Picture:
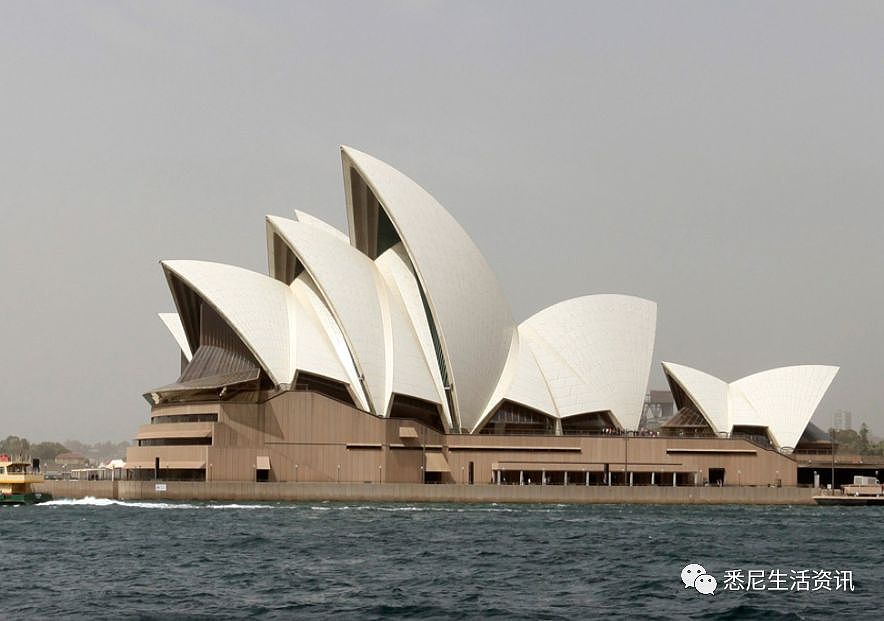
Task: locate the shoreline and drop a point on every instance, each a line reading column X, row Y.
column 415, row 492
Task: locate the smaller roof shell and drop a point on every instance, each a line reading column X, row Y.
column 372, row 318
column 595, row 354
column 257, row 308
column 173, row 323
column 783, row 399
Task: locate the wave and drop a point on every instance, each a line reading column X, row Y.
column 91, row 501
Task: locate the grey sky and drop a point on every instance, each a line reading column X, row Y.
column 723, row 159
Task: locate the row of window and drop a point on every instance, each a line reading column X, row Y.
column 184, row 418
column 176, row 442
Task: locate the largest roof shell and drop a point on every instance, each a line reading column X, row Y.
column 466, row 303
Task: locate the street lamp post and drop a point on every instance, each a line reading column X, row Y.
column 833, row 454
column 626, row 457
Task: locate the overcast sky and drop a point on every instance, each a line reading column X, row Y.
column 725, row 160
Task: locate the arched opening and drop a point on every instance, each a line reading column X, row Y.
column 517, row 419
column 374, row 232
column 420, row 410
column 286, row 266
column 591, row 423
column 333, row 389
column 222, row 367
column 687, row 422
column 753, row 433
column 814, row 441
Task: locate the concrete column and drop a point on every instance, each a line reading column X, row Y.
column 521, row 477
column 566, row 478
column 543, row 477
column 630, row 479
column 587, row 479
column 558, row 426
column 653, row 474
column 610, row 476
column 497, row 476
column 674, row 479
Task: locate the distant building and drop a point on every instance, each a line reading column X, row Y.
column 71, row 459
column 843, row 421
column 111, row 471
column 659, row 408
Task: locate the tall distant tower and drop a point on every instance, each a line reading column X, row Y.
column 843, row 420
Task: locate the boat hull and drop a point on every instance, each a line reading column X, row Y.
column 850, row 501
column 28, row 498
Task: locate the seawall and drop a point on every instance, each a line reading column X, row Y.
column 78, row 489
column 412, row 492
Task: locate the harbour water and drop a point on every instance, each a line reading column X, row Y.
column 110, row 559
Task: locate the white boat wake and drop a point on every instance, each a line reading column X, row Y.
column 91, row 501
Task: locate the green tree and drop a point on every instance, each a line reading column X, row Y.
column 850, row 442
column 864, row 439
column 846, row 441
column 15, row 446
column 47, row 451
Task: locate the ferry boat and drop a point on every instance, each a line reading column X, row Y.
column 16, row 479
column 864, row 492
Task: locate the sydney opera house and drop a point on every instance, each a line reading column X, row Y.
column 389, row 354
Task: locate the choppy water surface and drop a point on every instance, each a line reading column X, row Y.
column 108, row 559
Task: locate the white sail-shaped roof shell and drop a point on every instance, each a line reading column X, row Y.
column 319, row 345
column 173, row 323
column 521, row 382
column 277, row 249
column 409, row 373
column 467, row 304
column 256, row 307
column 282, row 334
column 708, row 393
column 402, row 286
column 376, row 328
column 595, row 354
column 306, row 218
column 783, row 400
